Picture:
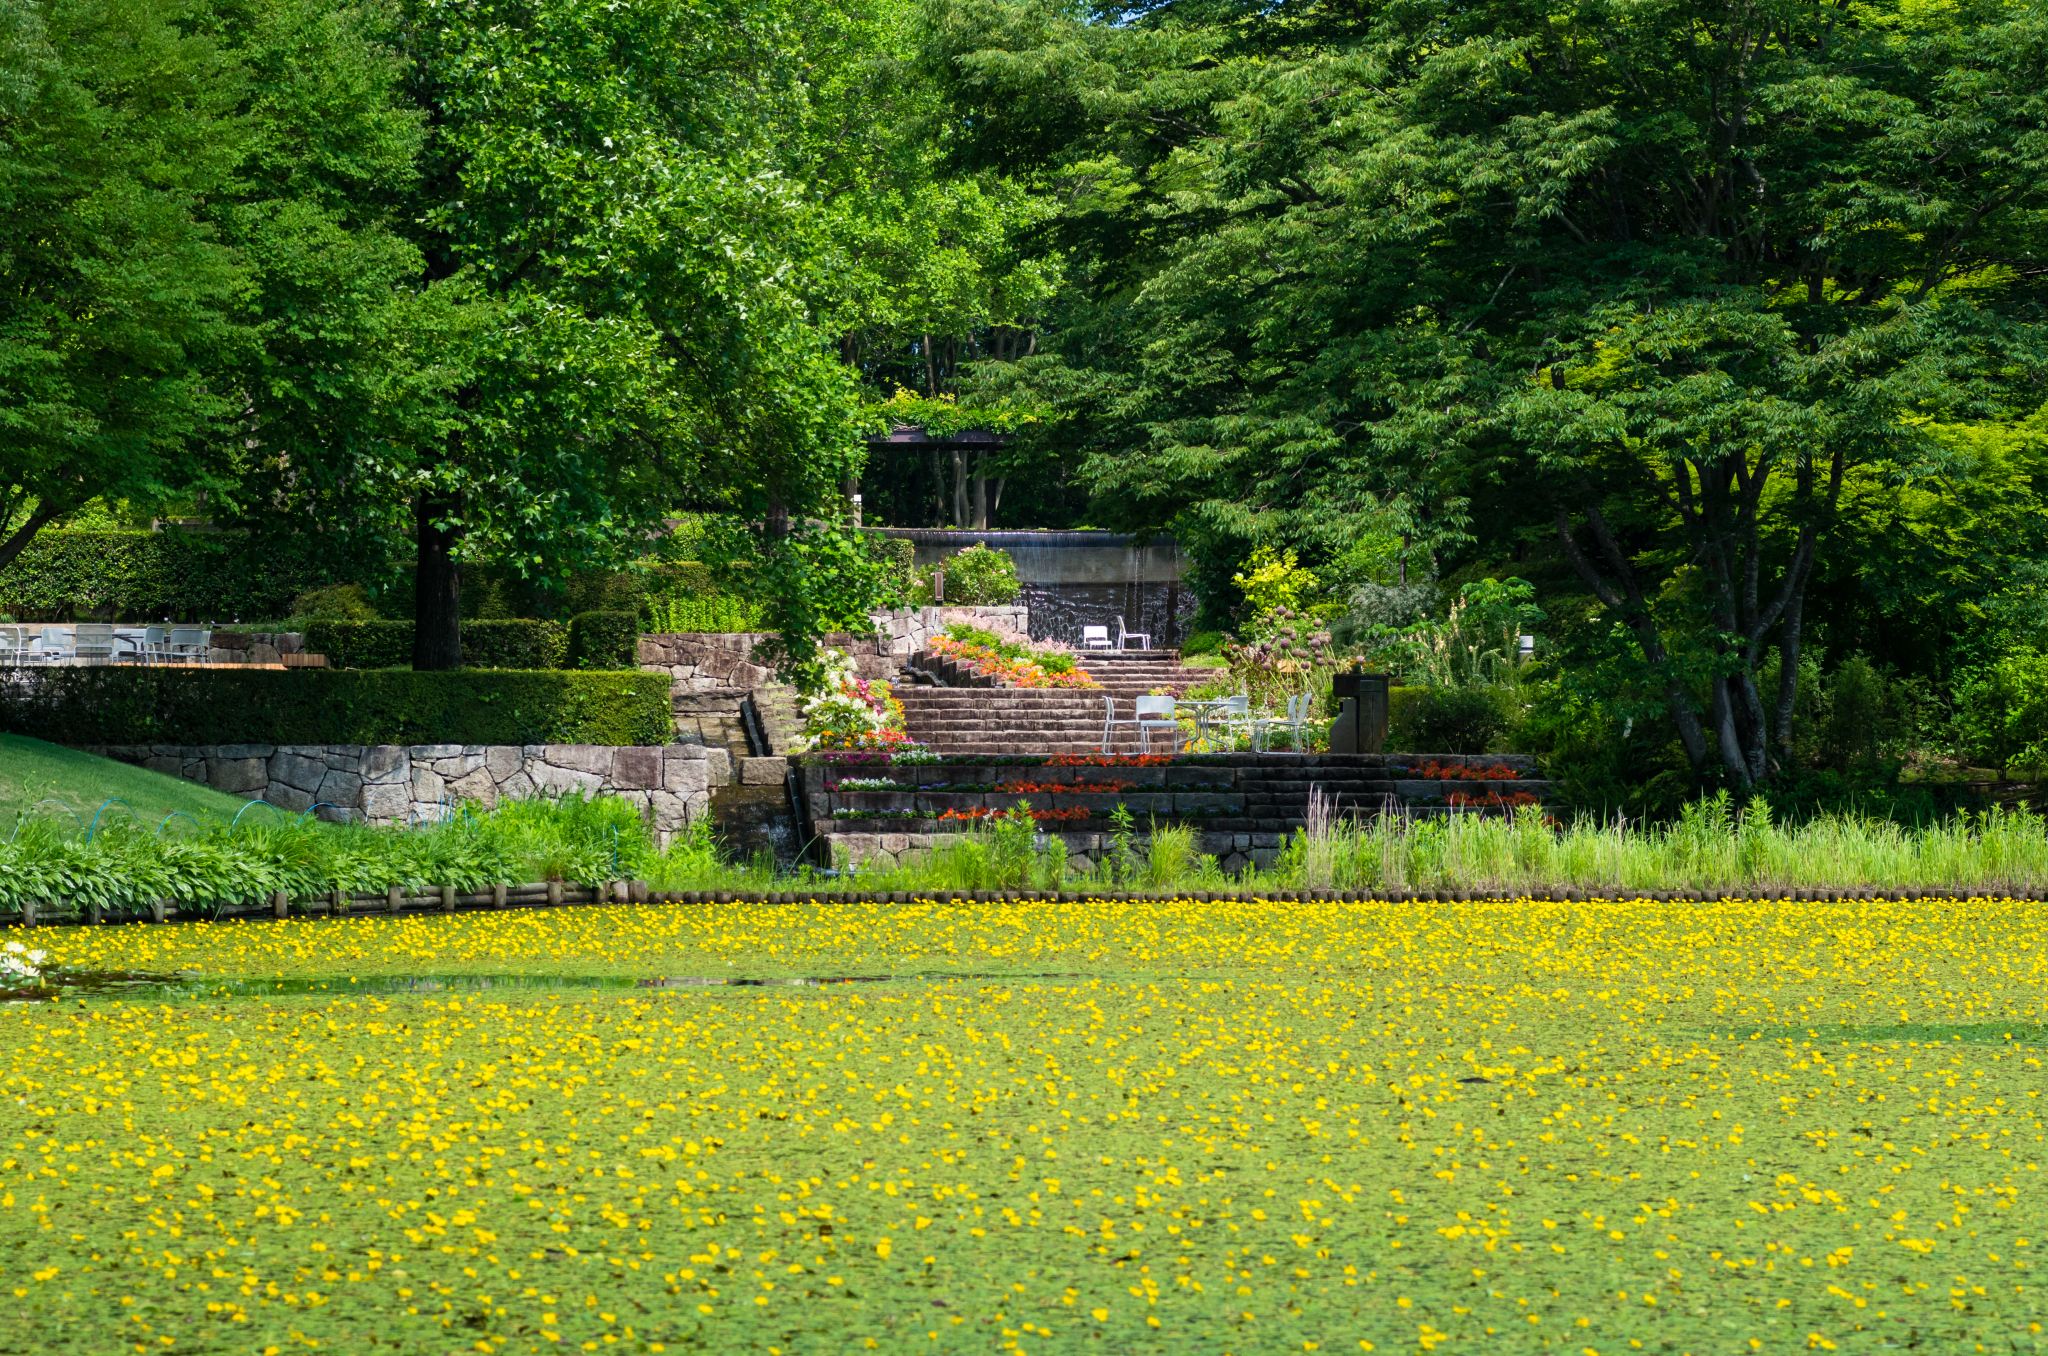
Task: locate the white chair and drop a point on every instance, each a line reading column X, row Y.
column 1232, row 714
column 1095, row 638
column 14, row 646
column 93, row 640
column 150, row 648
column 1124, row 636
column 190, row 642
column 1147, row 714
column 1298, row 709
column 54, row 645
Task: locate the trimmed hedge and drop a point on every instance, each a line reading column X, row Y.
column 604, row 640
column 230, row 576
column 520, row 644
column 137, row 576
column 1445, row 719
column 336, row 706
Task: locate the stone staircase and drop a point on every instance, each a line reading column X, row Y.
column 1046, row 720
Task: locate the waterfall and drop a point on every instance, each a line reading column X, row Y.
column 1073, row 579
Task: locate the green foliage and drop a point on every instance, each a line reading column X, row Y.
column 121, row 128
column 336, row 603
column 2002, row 712
column 713, row 612
column 345, row 706
column 145, row 576
column 976, row 576
column 124, row 867
column 1475, row 642
column 512, row 644
column 1363, row 279
column 604, row 640
column 1447, row 719
column 817, row 579
column 1275, row 588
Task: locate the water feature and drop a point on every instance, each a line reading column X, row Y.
column 1076, row 579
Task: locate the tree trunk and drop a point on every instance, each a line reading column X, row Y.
column 980, row 492
column 17, row 541
column 437, row 599
column 959, row 488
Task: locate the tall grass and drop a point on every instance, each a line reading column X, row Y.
column 1711, row 846
column 124, row 865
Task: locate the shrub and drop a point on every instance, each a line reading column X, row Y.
column 187, row 576
column 520, row 644
column 335, row 602
column 979, row 576
column 1445, row 719
column 604, row 640
column 712, row 612
column 2002, row 712
column 337, row 706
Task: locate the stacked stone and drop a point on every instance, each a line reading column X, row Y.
column 394, row 784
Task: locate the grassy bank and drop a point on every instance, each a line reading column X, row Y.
column 35, row 776
column 125, row 864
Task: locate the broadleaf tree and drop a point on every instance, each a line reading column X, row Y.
column 1652, row 282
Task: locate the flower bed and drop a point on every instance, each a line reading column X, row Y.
column 1457, row 772
column 1029, row 788
column 852, row 713
column 975, row 654
column 1490, row 800
column 979, row 812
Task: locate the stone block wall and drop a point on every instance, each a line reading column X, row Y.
column 708, row 662
column 401, row 783
column 254, row 647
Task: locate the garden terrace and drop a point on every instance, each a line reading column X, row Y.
column 994, row 720
column 1243, row 806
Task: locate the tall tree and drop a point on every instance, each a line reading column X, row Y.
column 120, row 122
column 592, row 317
column 1668, row 275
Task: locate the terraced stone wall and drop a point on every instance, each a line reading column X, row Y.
column 401, row 783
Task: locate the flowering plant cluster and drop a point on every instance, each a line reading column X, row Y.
column 868, row 784
column 978, row 812
column 1109, row 760
column 1487, row 800
column 1459, row 772
column 19, row 965
column 849, row 712
column 1025, row 668
column 1029, row 788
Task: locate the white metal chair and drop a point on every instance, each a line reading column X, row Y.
column 1233, row 715
column 190, row 642
column 1095, row 638
column 152, row 644
column 1124, row 636
column 93, row 640
column 1147, row 714
column 14, row 646
column 1293, row 721
column 54, row 645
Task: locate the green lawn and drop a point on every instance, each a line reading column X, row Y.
column 33, row 773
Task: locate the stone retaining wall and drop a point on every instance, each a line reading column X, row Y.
column 400, row 783
column 716, row 662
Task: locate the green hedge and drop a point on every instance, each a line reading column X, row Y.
column 337, row 706
column 517, row 644
column 230, row 576
column 1445, row 719
column 142, row 576
column 604, row 640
